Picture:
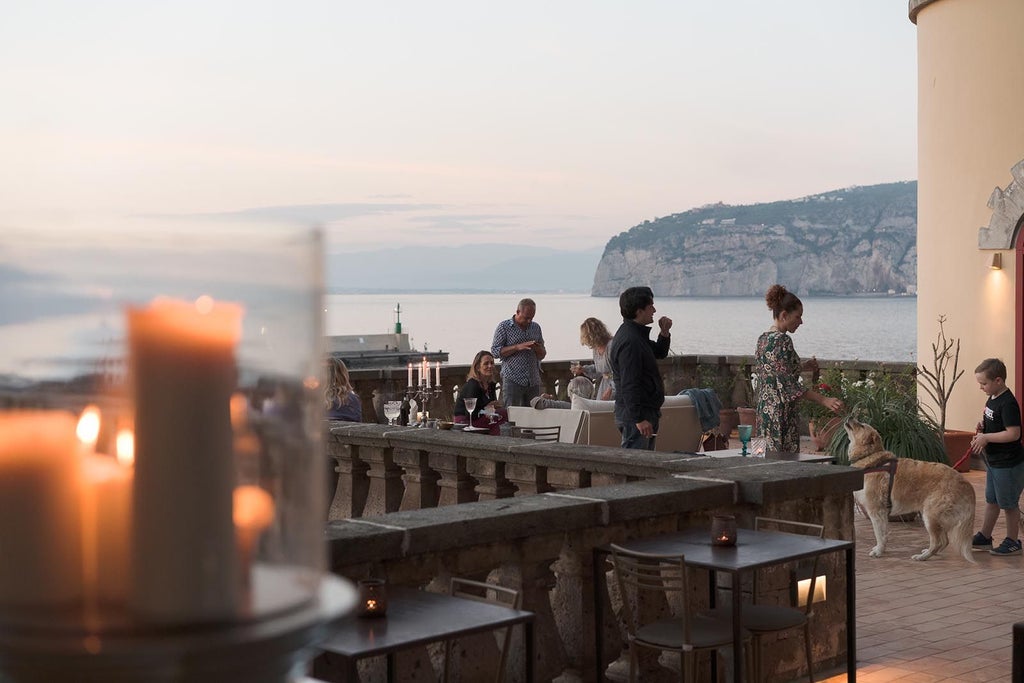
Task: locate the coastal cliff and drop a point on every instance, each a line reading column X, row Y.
column 857, row 240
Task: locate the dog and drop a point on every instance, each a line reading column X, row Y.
column 944, row 499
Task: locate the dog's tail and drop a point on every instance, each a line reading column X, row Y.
column 962, row 533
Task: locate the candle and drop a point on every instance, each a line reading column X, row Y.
column 419, row 374
column 409, row 384
column 373, row 598
column 40, row 517
column 182, row 368
column 437, row 373
column 252, row 513
column 106, row 515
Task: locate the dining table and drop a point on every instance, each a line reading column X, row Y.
column 753, row 550
column 416, row 617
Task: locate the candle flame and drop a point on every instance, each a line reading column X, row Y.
column 126, row 447
column 253, row 508
column 204, row 304
column 88, row 429
column 311, row 383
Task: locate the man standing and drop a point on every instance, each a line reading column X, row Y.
column 639, row 390
column 519, row 343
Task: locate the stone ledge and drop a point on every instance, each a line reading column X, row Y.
column 657, row 497
column 773, row 481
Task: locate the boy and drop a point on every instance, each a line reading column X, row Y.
column 999, row 440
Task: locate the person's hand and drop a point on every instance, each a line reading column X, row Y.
column 645, row 428
column 526, row 345
column 665, row 323
column 833, row 404
column 978, row 443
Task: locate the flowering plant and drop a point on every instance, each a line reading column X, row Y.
column 831, row 383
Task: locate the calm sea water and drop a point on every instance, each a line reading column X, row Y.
column 860, row 328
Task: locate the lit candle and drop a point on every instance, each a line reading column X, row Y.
column 437, row 373
column 40, row 518
column 410, row 376
column 252, row 513
column 182, row 365
column 426, row 370
column 419, row 374
column 106, row 514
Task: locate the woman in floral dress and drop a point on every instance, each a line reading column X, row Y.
column 596, row 336
column 778, row 370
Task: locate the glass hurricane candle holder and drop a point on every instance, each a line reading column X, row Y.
column 144, row 487
column 373, row 598
column 723, row 530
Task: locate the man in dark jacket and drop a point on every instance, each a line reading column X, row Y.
column 639, row 390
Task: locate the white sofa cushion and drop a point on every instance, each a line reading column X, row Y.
column 594, row 406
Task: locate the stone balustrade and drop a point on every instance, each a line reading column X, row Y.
column 419, row 506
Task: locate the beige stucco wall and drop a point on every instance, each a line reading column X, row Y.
column 970, row 108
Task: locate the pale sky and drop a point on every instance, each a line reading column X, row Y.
column 559, row 123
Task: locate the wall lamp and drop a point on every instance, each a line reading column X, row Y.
column 997, row 261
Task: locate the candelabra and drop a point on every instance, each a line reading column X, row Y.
column 421, row 395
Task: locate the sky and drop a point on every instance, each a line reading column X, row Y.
column 556, row 123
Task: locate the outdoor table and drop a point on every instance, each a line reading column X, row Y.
column 753, row 550
column 416, row 617
column 787, row 457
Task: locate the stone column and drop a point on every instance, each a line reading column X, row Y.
column 421, row 489
column 456, row 486
column 490, row 477
column 353, row 483
column 528, row 479
column 386, row 488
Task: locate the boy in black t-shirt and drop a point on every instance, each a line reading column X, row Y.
column 999, row 440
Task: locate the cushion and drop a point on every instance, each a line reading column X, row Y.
column 595, row 406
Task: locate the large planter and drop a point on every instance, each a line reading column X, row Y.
column 822, row 433
column 727, row 421
column 957, row 442
column 748, row 416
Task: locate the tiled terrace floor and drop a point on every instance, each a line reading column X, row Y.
column 938, row 620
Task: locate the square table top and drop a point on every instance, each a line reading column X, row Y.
column 416, row 617
column 753, row 549
column 788, row 457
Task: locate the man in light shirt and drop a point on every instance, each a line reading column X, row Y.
column 519, row 343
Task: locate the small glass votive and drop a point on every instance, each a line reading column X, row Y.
column 373, row 598
column 723, row 530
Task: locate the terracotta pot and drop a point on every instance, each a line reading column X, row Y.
column 748, row 416
column 957, row 442
column 727, row 421
column 822, row 434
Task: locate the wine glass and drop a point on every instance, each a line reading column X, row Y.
column 392, row 409
column 470, row 407
column 744, row 432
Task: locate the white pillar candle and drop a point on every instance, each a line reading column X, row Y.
column 410, row 376
column 106, row 514
column 40, row 519
column 182, row 365
column 419, row 374
column 437, row 371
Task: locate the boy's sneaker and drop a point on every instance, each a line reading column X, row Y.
column 1009, row 546
column 981, row 542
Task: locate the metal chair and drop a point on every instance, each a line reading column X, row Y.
column 685, row 633
column 538, row 433
column 490, row 593
column 762, row 619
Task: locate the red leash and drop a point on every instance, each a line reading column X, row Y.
column 963, row 459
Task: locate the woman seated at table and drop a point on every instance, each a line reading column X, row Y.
column 480, row 385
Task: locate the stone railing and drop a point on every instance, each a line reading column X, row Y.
column 418, row 506
column 729, row 375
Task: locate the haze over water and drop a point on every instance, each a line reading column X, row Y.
column 835, row 328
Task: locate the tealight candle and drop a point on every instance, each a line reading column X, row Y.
column 253, row 512
column 373, row 598
column 723, row 530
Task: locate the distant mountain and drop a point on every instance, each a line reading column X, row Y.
column 478, row 268
column 851, row 241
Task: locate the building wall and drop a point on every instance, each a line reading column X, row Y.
column 970, row 104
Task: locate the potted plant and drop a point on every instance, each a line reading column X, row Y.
column 822, row 423
column 938, row 382
column 888, row 402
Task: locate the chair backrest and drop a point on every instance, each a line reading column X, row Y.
column 793, row 527
column 537, row 433
column 490, row 593
column 571, row 421
column 641, row 573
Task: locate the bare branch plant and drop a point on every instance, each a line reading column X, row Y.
column 938, row 381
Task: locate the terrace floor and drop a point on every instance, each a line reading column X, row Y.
column 938, row 620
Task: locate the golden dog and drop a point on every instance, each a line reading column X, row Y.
column 944, row 499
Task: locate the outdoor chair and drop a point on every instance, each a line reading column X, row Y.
column 642, row 576
column 763, row 619
column 490, row 593
column 538, row 433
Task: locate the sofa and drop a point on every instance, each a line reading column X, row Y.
column 592, row 422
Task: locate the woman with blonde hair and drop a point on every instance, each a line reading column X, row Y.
column 480, row 385
column 595, row 335
column 341, row 401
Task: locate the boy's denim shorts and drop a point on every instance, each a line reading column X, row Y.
column 1003, row 486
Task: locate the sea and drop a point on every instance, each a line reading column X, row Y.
column 862, row 328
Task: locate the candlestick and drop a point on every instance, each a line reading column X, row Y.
column 182, row 366
column 40, row 523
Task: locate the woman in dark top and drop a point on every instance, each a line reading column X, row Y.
column 341, row 401
column 480, row 385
